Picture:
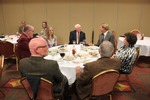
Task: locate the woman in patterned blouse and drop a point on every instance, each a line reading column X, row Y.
column 51, row 38
column 127, row 53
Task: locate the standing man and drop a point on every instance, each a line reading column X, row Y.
column 77, row 36
column 23, row 41
column 21, row 28
column 105, row 35
column 84, row 78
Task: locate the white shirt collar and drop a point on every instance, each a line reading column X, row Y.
column 105, row 33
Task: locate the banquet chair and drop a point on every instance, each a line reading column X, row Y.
column 17, row 56
column 127, row 79
column 137, row 33
column 27, row 87
column 115, row 39
column 8, row 50
column 44, row 92
column 103, row 84
column 1, row 69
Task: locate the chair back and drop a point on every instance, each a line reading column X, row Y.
column 137, row 33
column 7, row 49
column 44, row 92
column 1, row 65
column 115, row 36
column 138, row 55
column 27, row 87
column 17, row 56
column 115, row 40
column 104, row 82
column 1, row 69
column 17, row 52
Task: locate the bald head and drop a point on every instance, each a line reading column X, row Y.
column 38, row 47
column 106, row 49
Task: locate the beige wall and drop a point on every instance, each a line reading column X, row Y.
column 121, row 15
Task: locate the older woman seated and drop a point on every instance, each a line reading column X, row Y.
column 127, row 53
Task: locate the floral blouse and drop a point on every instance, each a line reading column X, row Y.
column 52, row 42
column 127, row 55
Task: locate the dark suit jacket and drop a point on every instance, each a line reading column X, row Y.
column 47, row 69
column 23, row 48
column 84, row 81
column 108, row 37
column 72, row 37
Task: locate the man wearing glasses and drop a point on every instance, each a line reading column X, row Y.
column 23, row 41
column 38, row 66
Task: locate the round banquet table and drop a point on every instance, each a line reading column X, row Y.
column 69, row 62
column 10, row 38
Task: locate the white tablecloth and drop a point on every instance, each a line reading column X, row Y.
column 10, row 38
column 143, row 44
column 68, row 67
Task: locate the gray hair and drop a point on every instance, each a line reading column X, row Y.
column 77, row 26
column 106, row 49
column 27, row 27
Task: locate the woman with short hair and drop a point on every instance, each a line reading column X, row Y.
column 127, row 53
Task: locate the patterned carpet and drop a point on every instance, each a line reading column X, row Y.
column 140, row 80
column 13, row 83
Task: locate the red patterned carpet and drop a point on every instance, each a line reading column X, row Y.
column 140, row 80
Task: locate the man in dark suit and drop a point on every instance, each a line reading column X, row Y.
column 23, row 41
column 38, row 66
column 84, row 78
column 77, row 36
column 105, row 35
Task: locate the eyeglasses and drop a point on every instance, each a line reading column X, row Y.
column 42, row 46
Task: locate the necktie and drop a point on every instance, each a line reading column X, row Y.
column 78, row 37
column 102, row 39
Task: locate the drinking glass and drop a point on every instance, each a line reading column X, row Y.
column 74, row 42
column 84, row 42
column 62, row 54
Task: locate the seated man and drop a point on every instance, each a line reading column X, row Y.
column 84, row 78
column 105, row 35
column 37, row 65
column 23, row 41
column 77, row 36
